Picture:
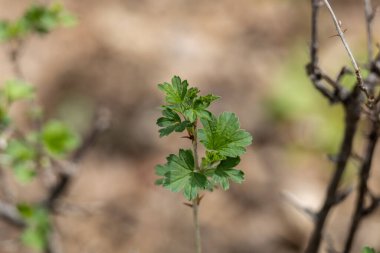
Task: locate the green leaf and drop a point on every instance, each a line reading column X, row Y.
column 17, row 89
column 58, row 139
column 225, row 172
column 223, row 135
column 171, row 122
column 368, row 250
column 179, row 175
column 197, row 182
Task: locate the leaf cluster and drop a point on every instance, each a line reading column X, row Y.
column 22, row 152
column 38, row 19
column 221, row 136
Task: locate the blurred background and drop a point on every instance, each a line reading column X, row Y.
column 250, row 52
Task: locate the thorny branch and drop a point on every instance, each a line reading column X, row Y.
column 352, row 103
column 358, row 74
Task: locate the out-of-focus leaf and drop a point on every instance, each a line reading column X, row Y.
column 58, row 138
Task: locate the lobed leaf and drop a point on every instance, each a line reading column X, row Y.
column 225, row 172
column 224, row 136
column 179, row 175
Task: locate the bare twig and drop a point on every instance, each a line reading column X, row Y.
column 358, row 74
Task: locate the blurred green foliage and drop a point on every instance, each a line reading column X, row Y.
column 28, row 152
column 37, row 19
column 294, row 99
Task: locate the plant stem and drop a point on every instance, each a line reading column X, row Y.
column 197, row 231
column 195, row 205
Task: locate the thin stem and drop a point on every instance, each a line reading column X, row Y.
column 197, row 230
column 351, row 56
column 195, row 206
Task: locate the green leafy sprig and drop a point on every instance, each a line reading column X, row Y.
column 221, row 136
column 37, row 19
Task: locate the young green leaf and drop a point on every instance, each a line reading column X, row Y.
column 223, row 135
column 179, row 175
column 171, row 122
column 58, row 139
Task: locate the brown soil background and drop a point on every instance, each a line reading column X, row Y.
column 238, row 49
